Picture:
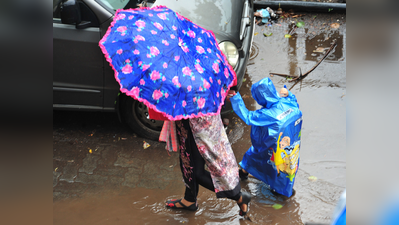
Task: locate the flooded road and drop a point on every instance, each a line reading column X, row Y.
column 102, row 174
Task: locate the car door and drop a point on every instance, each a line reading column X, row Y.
column 77, row 62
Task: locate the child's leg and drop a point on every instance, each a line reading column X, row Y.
column 243, row 174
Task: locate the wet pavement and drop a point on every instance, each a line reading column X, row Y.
column 102, row 174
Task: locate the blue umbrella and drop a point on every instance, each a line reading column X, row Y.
column 164, row 60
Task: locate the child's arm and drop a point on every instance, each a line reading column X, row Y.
column 257, row 118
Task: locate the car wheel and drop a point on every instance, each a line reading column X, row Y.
column 136, row 116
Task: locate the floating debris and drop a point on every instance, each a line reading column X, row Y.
column 319, row 49
column 312, row 178
column 277, row 206
column 334, row 25
column 300, row 24
column 267, row 35
column 226, row 121
column 146, row 145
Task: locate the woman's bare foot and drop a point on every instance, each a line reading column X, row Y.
column 185, row 202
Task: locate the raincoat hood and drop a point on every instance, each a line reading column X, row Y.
column 264, row 93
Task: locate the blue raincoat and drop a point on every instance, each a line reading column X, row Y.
column 275, row 135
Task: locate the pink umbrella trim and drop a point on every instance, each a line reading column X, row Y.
column 134, row 93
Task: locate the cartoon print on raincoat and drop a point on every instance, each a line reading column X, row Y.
column 275, row 136
column 285, row 158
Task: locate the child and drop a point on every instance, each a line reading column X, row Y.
column 275, row 136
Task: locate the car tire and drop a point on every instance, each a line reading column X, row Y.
column 135, row 114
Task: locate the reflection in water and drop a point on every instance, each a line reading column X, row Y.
column 300, row 53
column 265, row 199
column 293, row 60
column 323, row 40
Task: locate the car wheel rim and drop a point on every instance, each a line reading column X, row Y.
column 141, row 112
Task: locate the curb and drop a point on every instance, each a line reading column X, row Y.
column 300, row 6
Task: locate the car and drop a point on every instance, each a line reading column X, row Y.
column 83, row 79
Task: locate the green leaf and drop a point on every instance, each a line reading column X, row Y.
column 330, row 9
column 314, row 17
column 287, row 36
column 277, row 206
column 300, row 24
column 267, row 35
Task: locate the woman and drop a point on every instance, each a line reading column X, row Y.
column 204, row 141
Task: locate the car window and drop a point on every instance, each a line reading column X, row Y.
column 85, row 12
column 56, row 9
column 88, row 15
column 119, row 4
column 221, row 15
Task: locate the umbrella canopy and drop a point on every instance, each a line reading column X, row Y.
column 164, row 60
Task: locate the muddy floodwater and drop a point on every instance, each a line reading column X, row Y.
column 103, row 174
